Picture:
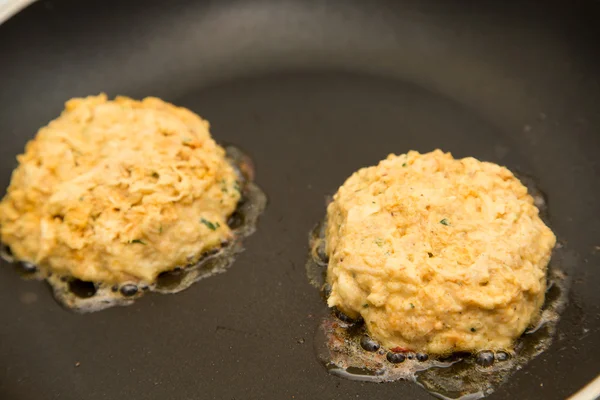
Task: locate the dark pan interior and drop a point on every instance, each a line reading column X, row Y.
column 312, row 90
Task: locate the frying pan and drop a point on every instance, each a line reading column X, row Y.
column 312, row 90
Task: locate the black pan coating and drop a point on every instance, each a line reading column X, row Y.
column 313, row 90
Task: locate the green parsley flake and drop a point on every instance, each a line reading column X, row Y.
column 137, row 241
column 445, row 222
column 210, row 225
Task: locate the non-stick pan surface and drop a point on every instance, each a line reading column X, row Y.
column 313, row 90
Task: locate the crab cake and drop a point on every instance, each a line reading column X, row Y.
column 115, row 191
column 437, row 254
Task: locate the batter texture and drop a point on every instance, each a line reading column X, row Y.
column 115, row 191
column 437, row 254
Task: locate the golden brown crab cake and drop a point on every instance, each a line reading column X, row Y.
column 437, row 254
column 115, row 191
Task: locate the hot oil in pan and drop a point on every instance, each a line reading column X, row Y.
column 84, row 296
column 344, row 348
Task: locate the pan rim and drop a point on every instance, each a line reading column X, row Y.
column 9, row 8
